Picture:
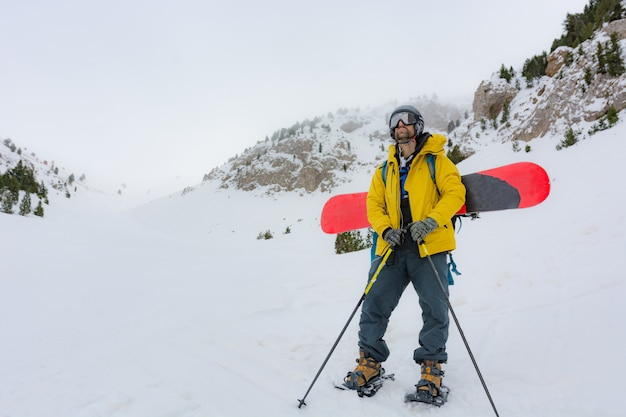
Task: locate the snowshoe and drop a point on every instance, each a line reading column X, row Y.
column 367, row 368
column 371, row 387
column 429, row 388
column 427, row 397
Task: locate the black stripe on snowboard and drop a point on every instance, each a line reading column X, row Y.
column 487, row 193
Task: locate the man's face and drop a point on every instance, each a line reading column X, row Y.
column 404, row 132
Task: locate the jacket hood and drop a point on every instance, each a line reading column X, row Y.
column 434, row 145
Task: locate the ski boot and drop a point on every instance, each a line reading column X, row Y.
column 430, row 390
column 367, row 378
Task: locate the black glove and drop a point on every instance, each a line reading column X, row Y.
column 394, row 237
column 420, row 229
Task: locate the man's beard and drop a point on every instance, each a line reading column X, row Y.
column 403, row 136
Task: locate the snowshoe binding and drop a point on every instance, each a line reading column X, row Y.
column 370, row 388
column 429, row 389
column 426, row 397
column 367, row 378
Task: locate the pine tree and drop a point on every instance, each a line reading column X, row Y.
column 601, row 59
column 456, row 155
column 25, row 205
column 6, row 199
column 535, row 67
column 352, row 241
column 506, row 74
column 580, row 26
column 612, row 116
column 43, row 192
column 38, row 210
column 20, row 177
column 506, row 110
column 614, row 61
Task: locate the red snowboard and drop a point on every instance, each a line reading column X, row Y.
column 519, row 185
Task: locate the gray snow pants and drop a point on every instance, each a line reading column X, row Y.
column 404, row 267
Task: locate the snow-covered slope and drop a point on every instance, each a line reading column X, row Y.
column 177, row 309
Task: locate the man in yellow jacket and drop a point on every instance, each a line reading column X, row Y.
column 407, row 208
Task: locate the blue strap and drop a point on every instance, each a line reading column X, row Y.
column 384, row 172
column 404, row 172
column 373, row 249
column 430, row 159
column 451, row 269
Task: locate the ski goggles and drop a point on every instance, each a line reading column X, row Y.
column 406, row 117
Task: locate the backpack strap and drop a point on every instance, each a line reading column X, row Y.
column 452, row 269
column 384, row 172
column 374, row 234
column 430, row 159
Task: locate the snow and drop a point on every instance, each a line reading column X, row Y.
column 175, row 308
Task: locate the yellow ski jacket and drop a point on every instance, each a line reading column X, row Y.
column 383, row 197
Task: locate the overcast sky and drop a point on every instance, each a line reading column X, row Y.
column 145, row 92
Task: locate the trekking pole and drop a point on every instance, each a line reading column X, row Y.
column 443, row 290
column 367, row 290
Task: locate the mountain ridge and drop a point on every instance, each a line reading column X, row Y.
column 576, row 95
column 321, row 154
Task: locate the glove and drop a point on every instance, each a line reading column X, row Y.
column 420, row 229
column 394, row 237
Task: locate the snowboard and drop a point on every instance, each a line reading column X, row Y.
column 513, row 186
